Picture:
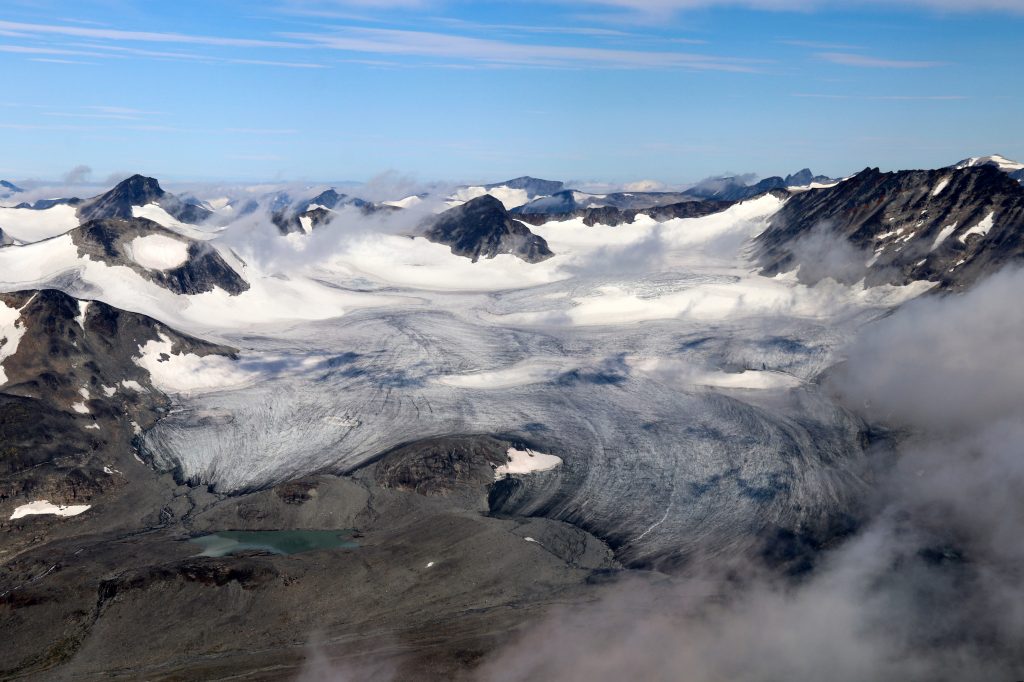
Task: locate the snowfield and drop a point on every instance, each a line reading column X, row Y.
column 186, row 372
column 26, row 225
column 161, row 217
column 527, row 461
column 11, row 331
column 158, row 252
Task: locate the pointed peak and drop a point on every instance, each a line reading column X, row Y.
column 140, row 185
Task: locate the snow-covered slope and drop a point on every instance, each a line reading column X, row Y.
column 25, row 225
column 1000, row 162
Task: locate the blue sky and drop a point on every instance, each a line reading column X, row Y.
column 603, row 90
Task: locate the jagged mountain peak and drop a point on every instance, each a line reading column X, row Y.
column 332, row 198
column 951, row 226
column 10, row 187
column 805, row 177
column 139, row 187
column 137, row 191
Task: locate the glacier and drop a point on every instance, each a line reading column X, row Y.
column 677, row 386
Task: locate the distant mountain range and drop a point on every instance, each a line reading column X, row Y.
column 928, row 225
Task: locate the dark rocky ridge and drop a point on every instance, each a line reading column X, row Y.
column 441, row 466
column 50, row 450
column 902, row 228
column 9, row 187
column 139, row 190
column 735, row 189
column 609, row 215
column 108, row 239
column 568, row 201
column 624, row 206
column 532, row 186
column 483, row 228
column 43, row 204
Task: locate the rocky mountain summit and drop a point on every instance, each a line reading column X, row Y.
column 950, row 226
column 483, row 228
column 73, row 389
column 138, row 191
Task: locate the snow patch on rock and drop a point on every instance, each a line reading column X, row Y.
column 11, row 331
column 943, row 235
column 526, row 462
column 158, row 252
column 45, row 507
column 188, row 373
column 981, row 228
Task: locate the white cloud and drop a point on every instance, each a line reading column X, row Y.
column 402, row 43
column 894, row 98
column 138, row 36
column 662, row 7
column 850, row 59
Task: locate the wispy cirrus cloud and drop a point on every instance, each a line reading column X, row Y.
column 48, row 60
column 32, row 50
column 402, row 43
column 139, row 36
column 665, row 7
column 852, row 59
column 98, row 46
column 459, row 50
column 103, row 112
column 815, row 45
column 891, row 98
column 122, row 51
column 591, row 31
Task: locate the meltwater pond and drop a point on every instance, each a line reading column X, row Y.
column 273, row 541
